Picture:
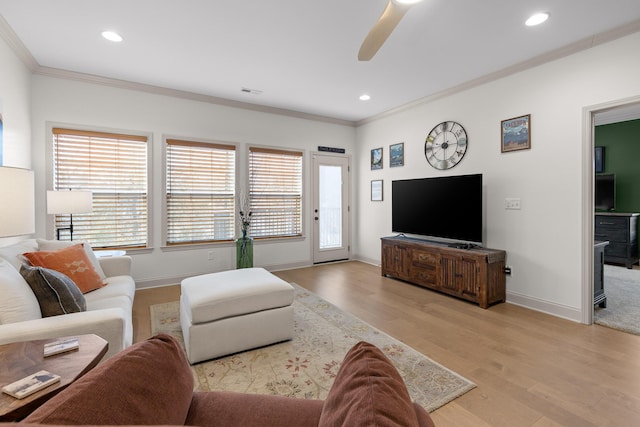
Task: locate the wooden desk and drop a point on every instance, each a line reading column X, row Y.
column 17, row 360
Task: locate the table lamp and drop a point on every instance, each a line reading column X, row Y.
column 69, row 202
column 17, row 202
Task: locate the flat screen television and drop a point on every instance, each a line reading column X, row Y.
column 446, row 208
column 605, row 192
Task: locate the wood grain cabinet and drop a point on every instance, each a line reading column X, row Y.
column 599, row 297
column 621, row 231
column 476, row 275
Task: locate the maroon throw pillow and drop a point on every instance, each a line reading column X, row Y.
column 368, row 391
column 148, row 383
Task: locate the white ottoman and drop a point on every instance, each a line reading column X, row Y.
column 232, row 311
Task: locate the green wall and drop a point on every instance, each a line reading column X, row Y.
column 622, row 158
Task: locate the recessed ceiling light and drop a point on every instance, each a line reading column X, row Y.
column 112, row 36
column 537, row 19
column 408, row 1
column 364, row 97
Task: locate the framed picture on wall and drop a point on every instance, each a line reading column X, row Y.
column 376, row 190
column 396, row 155
column 376, row 158
column 515, row 134
column 598, row 159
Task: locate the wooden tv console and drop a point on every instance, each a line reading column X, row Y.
column 476, row 275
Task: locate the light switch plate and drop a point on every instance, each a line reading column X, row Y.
column 512, row 203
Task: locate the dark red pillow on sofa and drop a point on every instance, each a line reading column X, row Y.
column 148, row 383
column 368, row 391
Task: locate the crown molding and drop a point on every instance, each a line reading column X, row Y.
column 580, row 45
column 14, row 42
column 175, row 93
column 7, row 33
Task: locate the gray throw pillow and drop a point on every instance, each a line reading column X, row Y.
column 56, row 293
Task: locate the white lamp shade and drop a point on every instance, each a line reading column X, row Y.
column 69, row 202
column 17, row 202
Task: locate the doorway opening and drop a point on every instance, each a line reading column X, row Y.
column 620, row 110
column 331, row 207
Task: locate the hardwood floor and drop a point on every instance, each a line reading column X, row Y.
column 531, row 369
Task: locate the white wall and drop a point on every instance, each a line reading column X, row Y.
column 64, row 101
column 543, row 240
column 15, row 104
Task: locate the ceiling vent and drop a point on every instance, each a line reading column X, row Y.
column 251, row 91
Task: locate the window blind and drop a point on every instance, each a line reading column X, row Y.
column 275, row 192
column 200, row 182
column 114, row 167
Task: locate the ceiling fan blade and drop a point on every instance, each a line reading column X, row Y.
column 389, row 19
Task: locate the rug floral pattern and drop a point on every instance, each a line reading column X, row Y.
column 306, row 366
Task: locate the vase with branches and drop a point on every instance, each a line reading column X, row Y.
column 244, row 244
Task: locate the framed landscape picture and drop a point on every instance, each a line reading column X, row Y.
column 376, row 158
column 515, row 134
column 396, row 155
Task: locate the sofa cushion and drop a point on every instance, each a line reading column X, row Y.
column 73, row 262
column 368, row 391
column 226, row 408
column 116, row 287
column 52, row 245
column 147, row 383
column 13, row 253
column 55, row 292
column 17, row 301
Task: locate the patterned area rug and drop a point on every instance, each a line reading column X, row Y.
column 306, row 366
column 622, row 288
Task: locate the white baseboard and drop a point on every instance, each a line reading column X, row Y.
column 558, row 310
column 371, row 261
column 175, row 280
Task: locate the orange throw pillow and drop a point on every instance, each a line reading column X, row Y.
column 71, row 261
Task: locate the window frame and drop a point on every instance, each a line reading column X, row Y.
column 303, row 188
column 50, row 227
column 165, row 216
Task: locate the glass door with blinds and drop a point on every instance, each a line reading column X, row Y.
column 330, row 208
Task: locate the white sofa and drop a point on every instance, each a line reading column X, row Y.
column 108, row 313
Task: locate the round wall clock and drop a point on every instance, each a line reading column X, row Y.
column 445, row 145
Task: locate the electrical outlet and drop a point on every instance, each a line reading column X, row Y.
column 512, row 203
column 210, row 256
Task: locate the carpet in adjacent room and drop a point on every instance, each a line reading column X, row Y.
column 306, row 366
column 622, row 288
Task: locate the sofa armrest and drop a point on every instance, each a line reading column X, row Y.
column 116, row 266
column 223, row 408
column 109, row 324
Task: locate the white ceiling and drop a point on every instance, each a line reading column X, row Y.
column 303, row 54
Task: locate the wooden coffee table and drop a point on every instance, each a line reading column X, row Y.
column 21, row 359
